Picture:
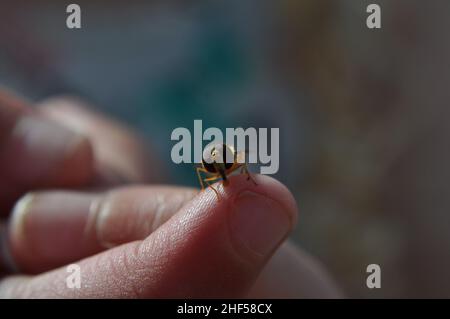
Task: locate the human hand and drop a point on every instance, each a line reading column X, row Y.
column 135, row 241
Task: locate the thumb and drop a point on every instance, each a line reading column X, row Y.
column 210, row 248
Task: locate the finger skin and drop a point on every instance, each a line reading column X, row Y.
column 121, row 155
column 50, row 229
column 37, row 153
column 199, row 253
column 62, row 227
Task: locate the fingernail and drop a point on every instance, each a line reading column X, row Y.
column 16, row 230
column 42, row 143
column 18, row 215
column 50, row 224
column 259, row 223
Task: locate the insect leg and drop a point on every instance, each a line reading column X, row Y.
column 209, row 179
column 200, row 179
column 246, row 171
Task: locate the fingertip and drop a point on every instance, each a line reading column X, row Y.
column 264, row 185
column 279, row 192
column 216, row 246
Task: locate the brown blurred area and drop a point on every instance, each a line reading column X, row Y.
column 376, row 191
column 364, row 112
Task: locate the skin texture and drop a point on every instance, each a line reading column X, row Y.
column 148, row 241
column 37, row 151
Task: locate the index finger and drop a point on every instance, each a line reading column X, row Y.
column 37, row 153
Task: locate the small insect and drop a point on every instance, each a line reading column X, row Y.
column 215, row 165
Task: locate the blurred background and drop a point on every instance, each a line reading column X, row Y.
column 363, row 114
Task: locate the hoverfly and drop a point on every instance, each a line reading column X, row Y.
column 215, row 165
